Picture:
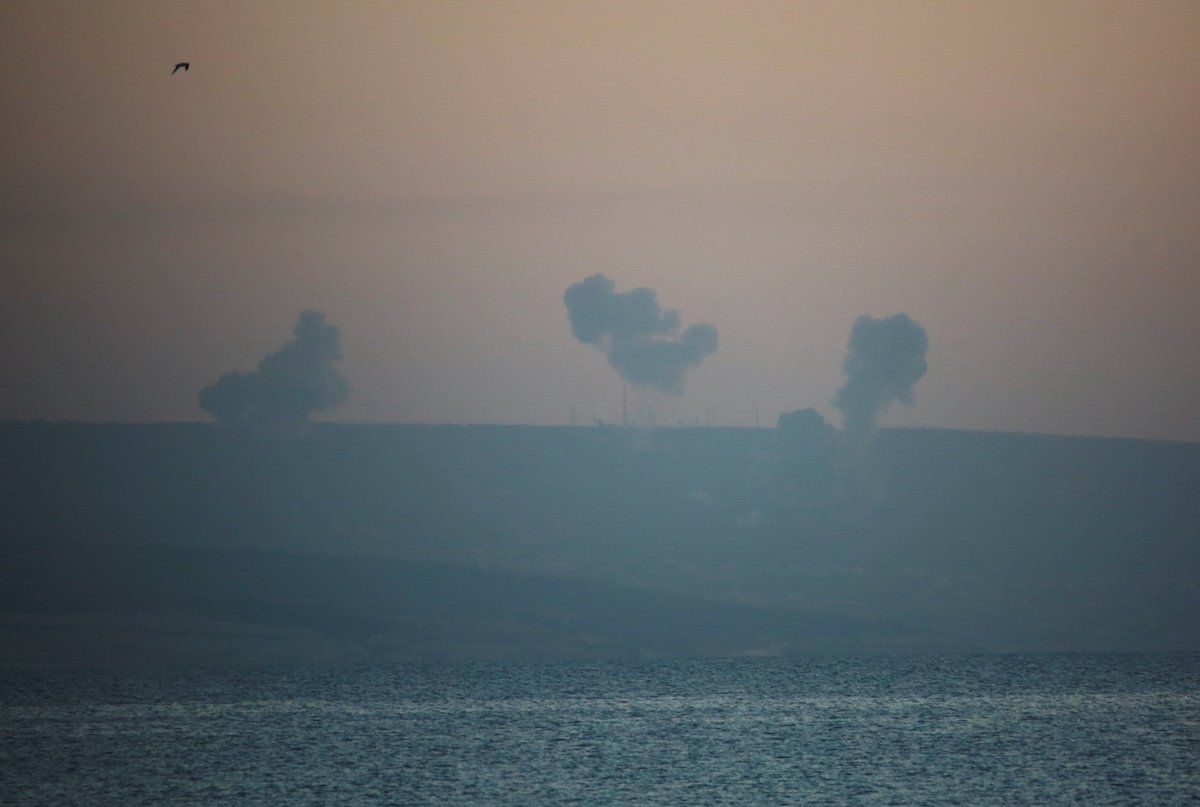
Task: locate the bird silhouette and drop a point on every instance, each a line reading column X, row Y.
column 184, row 65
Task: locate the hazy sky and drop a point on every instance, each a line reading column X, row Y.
column 1023, row 179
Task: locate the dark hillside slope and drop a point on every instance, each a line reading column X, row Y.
column 1004, row 541
column 93, row 603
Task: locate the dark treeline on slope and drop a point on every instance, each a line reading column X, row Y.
column 249, row 606
column 988, row 541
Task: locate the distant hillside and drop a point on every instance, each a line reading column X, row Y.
column 64, row 603
column 997, row 541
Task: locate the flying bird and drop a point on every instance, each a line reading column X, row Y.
column 183, row 65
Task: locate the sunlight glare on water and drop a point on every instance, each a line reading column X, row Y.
column 968, row 729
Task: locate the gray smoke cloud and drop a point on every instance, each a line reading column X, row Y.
column 884, row 359
column 643, row 343
column 288, row 385
column 818, row 466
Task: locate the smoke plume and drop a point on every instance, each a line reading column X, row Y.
column 643, row 343
column 884, row 359
column 289, row 384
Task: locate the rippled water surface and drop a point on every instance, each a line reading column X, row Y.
column 948, row 729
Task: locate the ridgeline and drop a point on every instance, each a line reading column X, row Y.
column 190, row 543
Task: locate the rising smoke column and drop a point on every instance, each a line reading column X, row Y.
column 642, row 342
column 289, row 384
column 884, row 359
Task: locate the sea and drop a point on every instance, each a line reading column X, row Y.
column 953, row 729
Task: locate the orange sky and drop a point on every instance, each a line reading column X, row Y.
column 1021, row 178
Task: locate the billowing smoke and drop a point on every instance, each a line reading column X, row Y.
column 643, row 343
column 289, row 384
column 816, row 465
column 884, row 359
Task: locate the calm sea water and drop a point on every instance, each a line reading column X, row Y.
column 1028, row 729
